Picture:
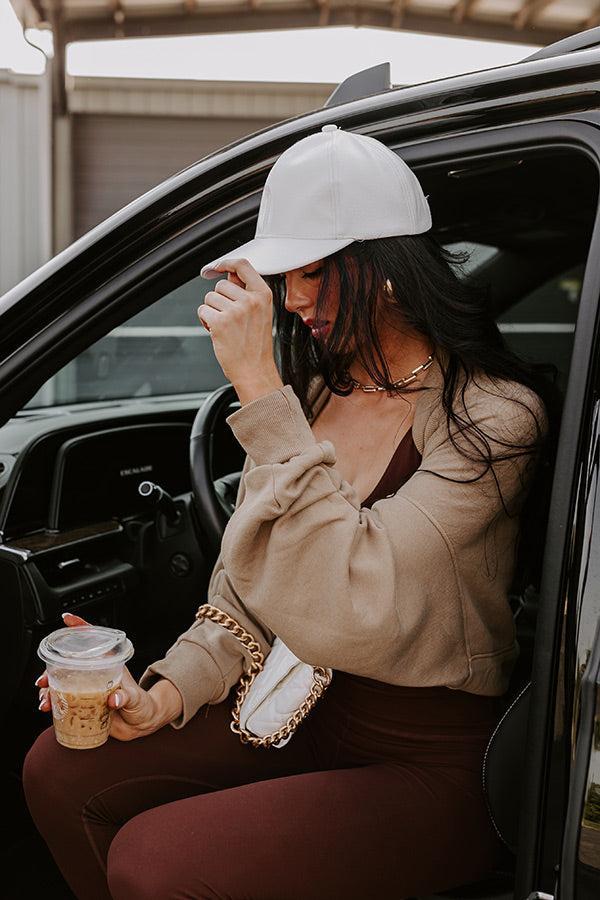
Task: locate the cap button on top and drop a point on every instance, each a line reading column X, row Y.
column 330, row 128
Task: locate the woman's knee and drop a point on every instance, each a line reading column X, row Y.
column 140, row 868
column 42, row 765
column 56, row 777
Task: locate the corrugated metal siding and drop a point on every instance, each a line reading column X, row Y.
column 25, row 198
column 117, row 158
column 194, row 98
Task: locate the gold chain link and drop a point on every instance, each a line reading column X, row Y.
column 321, row 683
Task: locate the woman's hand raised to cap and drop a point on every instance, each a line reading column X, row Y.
column 136, row 712
column 238, row 313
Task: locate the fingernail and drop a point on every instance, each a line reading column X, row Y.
column 41, row 704
column 118, row 699
column 65, row 614
column 37, row 681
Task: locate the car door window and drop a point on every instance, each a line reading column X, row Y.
column 541, row 325
column 163, row 350
column 478, row 255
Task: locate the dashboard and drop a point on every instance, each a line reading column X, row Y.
column 73, row 523
column 66, row 469
column 95, row 477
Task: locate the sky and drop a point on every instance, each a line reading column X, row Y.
column 302, row 55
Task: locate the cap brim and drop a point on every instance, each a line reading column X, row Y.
column 272, row 255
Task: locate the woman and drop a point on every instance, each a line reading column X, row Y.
column 403, row 593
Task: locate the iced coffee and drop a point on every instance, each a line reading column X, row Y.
column 81, row 718
column 85, row 666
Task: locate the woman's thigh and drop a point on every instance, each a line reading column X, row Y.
column 79, row 799
column 379, row 830
column 205, row 748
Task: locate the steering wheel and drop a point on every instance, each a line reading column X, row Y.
column 214, row 500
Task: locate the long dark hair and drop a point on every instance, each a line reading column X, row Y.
column 454, row 314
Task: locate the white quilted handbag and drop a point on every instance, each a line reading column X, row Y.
column 273, row 697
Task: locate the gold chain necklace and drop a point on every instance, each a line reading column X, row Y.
column 402, row 381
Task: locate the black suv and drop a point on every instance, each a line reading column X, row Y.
column 105, row 372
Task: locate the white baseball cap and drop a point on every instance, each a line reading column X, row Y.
column 325, row 191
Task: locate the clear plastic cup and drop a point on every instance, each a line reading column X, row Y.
column 85, row 666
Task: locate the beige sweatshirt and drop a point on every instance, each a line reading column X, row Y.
column 411, row 592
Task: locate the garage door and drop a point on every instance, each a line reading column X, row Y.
column 117, row 158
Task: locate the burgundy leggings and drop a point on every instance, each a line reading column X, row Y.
column 377, row 795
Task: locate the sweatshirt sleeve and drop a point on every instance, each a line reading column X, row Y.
column 367, row 590
column 206, row 660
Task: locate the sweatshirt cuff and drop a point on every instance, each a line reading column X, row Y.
column 194, row 673
column 272, row 428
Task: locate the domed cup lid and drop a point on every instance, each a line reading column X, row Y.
column 86, row 647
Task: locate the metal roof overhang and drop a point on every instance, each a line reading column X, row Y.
column 520, row 21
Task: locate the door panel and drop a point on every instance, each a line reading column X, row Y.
column 580, row 864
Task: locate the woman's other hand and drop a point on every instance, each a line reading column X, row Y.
column 136, row 712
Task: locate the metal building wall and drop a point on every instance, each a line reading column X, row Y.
column 129, row 134
column 118, row 158
column 25, row 180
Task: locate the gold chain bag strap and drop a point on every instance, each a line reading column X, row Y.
column 290, row 722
